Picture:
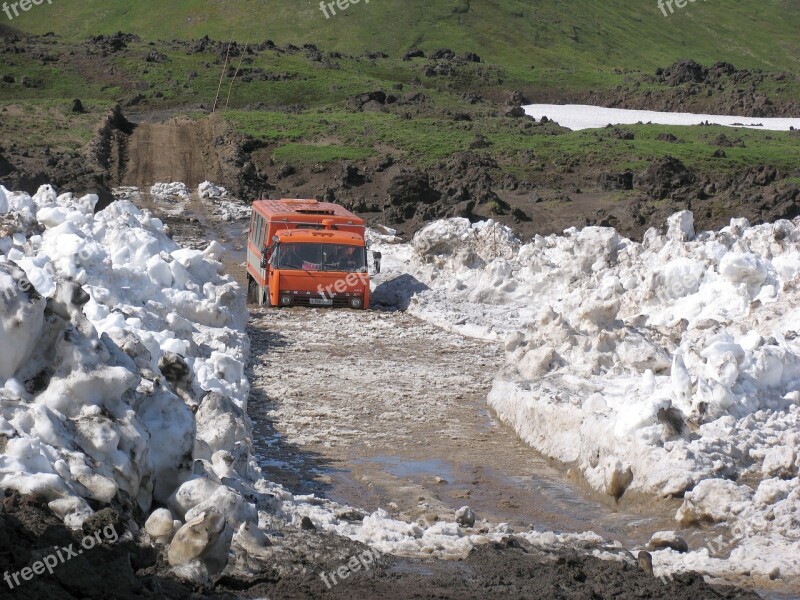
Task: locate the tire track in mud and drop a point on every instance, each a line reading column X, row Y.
column 179, row 150
column 378, row 409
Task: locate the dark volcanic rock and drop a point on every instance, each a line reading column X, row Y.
column 616, row 181
column 154, row 56
column 516, row 98
column 665, row 177
column 683, row 71
column 410, row 188
column 761, row 176
column 108, row 44
column 723, row 141
column 409, row 193
column 361, row 101
column 443, row 54
column 413, row 54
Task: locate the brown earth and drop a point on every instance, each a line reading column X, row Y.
column 179, row 150
column 29, row 532
column 468, row 184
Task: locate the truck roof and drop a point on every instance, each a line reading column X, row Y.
column 288, row 208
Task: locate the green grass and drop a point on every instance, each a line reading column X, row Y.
column 310, row 153
column 513, row 33
column 48, row 123
column 313, row 136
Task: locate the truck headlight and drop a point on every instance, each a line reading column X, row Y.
column 356, row 302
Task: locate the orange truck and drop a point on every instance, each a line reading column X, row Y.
column 307, row 253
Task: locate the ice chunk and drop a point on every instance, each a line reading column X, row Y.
column 206, row 539
column 21, row 319
column 713, row 500
column 160, row 526
column 743, row 268
column 680, row 226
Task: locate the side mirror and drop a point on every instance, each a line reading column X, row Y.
column 265, row 256
column 377, row 256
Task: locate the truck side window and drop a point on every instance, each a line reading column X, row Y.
column 259, row 233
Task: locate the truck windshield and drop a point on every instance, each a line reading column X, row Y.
column 321, row 257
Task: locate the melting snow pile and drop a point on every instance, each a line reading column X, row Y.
column 167, row 191
column 122, row 379
column 224, row 208
column 670, row 367
column 208, row 191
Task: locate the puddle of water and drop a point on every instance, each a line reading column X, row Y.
column 542, row 499
column 412, row 468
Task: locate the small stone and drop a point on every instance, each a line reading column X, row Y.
column 646, row 562
column 465, row 516
column 160, row 526
column 307, row 524
column 662, row 540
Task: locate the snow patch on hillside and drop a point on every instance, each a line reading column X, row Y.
column 580, row 116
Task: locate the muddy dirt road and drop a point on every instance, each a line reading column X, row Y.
column 178, row 150
column 378, row 409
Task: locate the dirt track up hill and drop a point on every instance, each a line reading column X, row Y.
column 175, row 151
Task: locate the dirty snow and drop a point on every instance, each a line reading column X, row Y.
column 166, row 191
column 225, row 207
column 668, row 367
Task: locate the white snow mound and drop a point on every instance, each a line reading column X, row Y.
column 664, row 366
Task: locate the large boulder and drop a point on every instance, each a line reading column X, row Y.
column 665, row 177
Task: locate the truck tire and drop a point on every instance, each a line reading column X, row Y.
column 252, row 291
column 263, row 297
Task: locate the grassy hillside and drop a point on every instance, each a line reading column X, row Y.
column 579, row 34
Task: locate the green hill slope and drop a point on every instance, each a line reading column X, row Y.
column 579, row 34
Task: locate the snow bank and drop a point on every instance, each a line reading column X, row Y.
column 579, row 116
column 112, row 338
column 670, row 367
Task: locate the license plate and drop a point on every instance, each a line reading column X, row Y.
column 320, row 302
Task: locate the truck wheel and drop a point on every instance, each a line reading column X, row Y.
column 252, row 291
column 263, row 297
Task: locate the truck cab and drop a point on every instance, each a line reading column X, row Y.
column 307, row 253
